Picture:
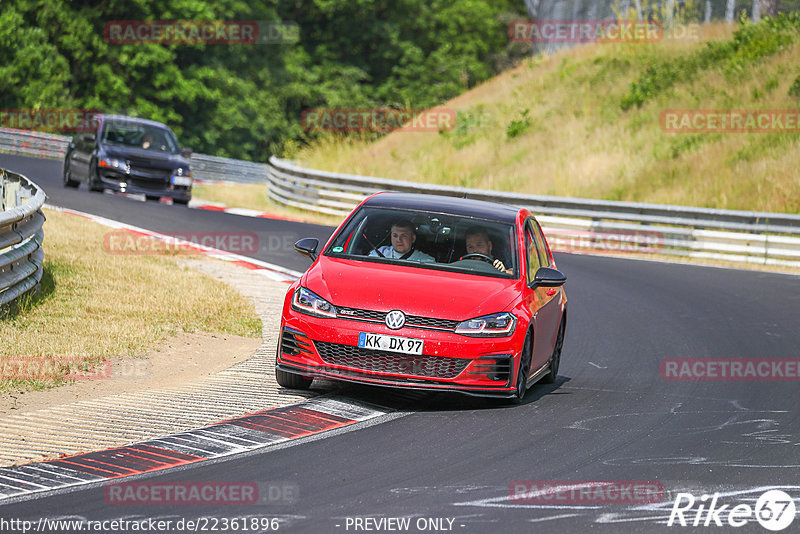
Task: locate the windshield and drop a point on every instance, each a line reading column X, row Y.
column 145, row 136
column 428, row 239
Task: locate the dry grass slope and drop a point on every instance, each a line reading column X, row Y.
column 555, row 126
column 95, row 305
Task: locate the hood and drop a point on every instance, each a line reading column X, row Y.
column 415, row 291
column 145, row 158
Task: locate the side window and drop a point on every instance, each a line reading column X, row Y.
column 544, row 250
column 531, row 251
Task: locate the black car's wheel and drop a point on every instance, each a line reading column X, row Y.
column 181, row 201
column 94, row 184
column 523, row 372
column 68, row 181
column 291, row 380
column 555, row 359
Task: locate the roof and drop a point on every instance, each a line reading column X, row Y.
column 125, row 118
column 448, row 205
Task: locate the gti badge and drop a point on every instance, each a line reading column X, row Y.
column 395, row 319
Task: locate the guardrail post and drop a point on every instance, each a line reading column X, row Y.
column 2, row 190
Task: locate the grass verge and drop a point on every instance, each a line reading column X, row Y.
column 94, row 306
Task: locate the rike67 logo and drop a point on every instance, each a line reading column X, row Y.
column 774, row 510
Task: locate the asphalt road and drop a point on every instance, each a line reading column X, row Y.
column 611, row 416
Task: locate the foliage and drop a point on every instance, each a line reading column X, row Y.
column 245, row 101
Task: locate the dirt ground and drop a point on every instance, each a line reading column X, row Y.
column 177, row 361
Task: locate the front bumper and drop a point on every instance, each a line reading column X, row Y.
column 142, row 185
column 327, row 348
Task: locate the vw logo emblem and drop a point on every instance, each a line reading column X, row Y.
column 395, row 319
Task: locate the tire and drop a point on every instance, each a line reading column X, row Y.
column 291, row 380
column 555, row 359
column 182, row 202
column 68, row 181
column 93, row 177
column 523, row 372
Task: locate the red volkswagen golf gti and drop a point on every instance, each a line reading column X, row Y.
column 427, row 292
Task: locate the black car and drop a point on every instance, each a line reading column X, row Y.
column 130, row 155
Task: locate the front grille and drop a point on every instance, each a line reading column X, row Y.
column 412, row 321
column 378, row 361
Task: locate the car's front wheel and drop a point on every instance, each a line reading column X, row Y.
column 94, row 184
column 523, row 372
column 68, row 181
column 291, row 380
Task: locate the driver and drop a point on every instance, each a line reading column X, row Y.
column 403, row 238
column 478, row 242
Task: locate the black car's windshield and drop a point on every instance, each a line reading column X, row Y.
column 145, row 136
column 435, row 240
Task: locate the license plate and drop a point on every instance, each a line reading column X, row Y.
column 405, row 345
column 181, row 180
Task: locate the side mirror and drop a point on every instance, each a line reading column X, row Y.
column 186, row 152
column 547, row 277
column 307, row 247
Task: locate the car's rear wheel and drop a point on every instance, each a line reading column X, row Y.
column 68, row 181
column 93, row 181
column 555, row 359
column 523, row 372
column 291, row 380
column 181, row 201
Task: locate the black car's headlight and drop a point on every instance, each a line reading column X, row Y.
column 182, row 176
column 306, row 301
column 494, row 325
column 113, row 163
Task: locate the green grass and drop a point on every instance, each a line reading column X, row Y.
column 94, row 306
column 585, row 122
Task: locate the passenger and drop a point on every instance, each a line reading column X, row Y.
column 148, row 141
column 478, row 242
column 403, row 238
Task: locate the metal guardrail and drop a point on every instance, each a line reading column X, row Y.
column 21, row 235
column 575, row 225
column 204, row 167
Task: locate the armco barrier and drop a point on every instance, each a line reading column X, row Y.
column 578, row 224
column 21, row 235
column 575, row 225
column 204, row 167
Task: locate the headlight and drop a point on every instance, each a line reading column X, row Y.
column 114, row 163
column 306, row 301
column 495, row 325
